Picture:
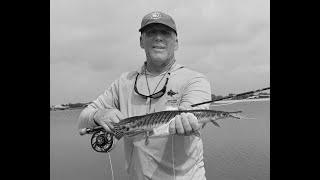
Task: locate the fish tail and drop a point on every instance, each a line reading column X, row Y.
column 238, row 116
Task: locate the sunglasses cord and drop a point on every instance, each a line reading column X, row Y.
column 145, row 73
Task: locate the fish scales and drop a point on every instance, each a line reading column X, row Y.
column 143, row 122
column 153, row 118
column 163, row 116
column 200, row 115
column 153, row 122
column 168, row 116
column 156, row 122
column 156, row 118
column 149, row 121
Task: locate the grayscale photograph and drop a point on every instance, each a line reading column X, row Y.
column 145, row 89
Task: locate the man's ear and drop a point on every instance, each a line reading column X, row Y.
column 141, row 43
column 176, row 47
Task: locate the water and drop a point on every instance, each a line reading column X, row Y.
column 239, row 150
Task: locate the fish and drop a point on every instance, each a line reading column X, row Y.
column 157, row 123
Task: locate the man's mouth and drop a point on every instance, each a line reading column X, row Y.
column 158, row 47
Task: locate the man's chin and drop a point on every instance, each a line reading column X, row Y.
column 159, row 58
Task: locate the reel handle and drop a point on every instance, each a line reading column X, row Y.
column 85, row 131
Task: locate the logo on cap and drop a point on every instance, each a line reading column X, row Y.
column 155, row 15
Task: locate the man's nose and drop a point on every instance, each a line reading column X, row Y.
column 158, row 36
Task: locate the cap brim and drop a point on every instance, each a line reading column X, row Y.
column 145, row 26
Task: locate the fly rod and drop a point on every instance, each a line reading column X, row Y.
column 231, row 96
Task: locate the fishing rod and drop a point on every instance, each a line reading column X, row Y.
column 102, row 141
column 231, row 96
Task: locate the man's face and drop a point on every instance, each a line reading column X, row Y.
column 159, row 43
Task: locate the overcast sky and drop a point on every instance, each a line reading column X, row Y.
column 93, row 41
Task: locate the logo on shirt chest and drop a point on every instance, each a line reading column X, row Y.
column 171, row 93
column 172, row 98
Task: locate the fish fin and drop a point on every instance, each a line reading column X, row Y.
column 134, row 133
column 203, row 125
column 215, row 123
column 146, row 142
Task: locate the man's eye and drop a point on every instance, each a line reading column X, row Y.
column 166, row 33
column 155, row 32
column 151, row 32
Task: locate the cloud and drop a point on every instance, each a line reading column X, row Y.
column 92, row 42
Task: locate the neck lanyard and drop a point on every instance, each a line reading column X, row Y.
column 145, row 72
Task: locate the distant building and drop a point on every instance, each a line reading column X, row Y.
column 264, row 95
column 59, row 107
column 260, row 95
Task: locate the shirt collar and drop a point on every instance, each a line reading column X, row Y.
column 174, row 67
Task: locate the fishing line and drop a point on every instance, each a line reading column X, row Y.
column 172, row 152
column 110, row 162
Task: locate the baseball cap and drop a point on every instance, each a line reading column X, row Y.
column 158, row 17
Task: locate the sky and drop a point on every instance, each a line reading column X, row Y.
column 92, row 42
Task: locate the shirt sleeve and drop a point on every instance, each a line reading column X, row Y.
column 107, row 100
column 197, row 90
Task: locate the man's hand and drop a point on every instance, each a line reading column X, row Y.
column 104, row 117
column 184, row 124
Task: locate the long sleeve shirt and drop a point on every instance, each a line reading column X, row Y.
column 164, row 157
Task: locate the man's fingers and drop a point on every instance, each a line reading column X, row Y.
column 119, row 115
column 193, row 121
column 105, row 126
column 172, row 127
column 113, row 119
column 178, row 123
column 185, row 123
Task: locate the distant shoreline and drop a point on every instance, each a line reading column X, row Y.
column 241, row 100
column 67, row 109
column 223, row 102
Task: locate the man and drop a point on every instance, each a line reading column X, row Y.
column 160, row 84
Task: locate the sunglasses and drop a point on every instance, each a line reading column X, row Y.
column 154, row 95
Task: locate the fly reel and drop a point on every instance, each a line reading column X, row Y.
column 102, row 141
